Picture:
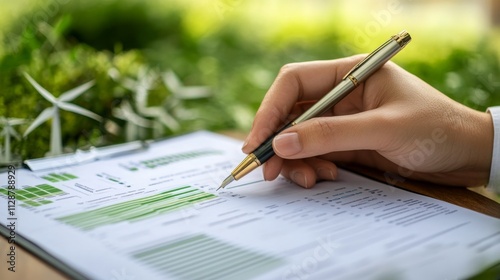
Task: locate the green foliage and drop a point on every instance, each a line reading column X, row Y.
column 80, row 41
column 59, row 66
column 470, row 77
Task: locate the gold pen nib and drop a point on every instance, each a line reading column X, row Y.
column 248, row 164
column 226, row 182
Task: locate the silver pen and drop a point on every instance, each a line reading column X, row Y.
column 358, row 74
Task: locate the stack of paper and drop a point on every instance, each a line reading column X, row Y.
column 156, row 215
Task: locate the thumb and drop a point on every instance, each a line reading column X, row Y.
column 369, row 130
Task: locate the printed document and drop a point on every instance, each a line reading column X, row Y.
column 156, row 214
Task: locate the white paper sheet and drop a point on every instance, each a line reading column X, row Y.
column 156, row 215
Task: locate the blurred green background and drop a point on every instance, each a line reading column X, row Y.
column 235, row 47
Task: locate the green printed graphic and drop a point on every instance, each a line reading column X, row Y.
column 137, row 209
column 113, row 179
column 34, row 196
column 59, row 177
column 165, row 160
column 204, row 257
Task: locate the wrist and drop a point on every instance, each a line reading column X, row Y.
column 480, row 135
column 494, row 176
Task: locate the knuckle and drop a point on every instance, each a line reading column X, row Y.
column 326, row 127
column 324, row 130
column 289, row 77
column 271, row 115
column 288, row 69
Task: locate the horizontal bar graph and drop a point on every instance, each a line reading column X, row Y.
column 204, row 257
column 138, row 209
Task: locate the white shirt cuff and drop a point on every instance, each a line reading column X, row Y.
column 494, row 182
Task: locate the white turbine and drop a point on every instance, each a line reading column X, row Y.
column 134, row 121
column 145, row 79
column 158, row 113
column 179, row 93
column 141, row 88
column 53, row 112
column 7, row 132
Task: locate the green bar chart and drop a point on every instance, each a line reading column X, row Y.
column 59, row 177
column 138, row 209
column 204, row 257
column 168, row 159
column 34, row 195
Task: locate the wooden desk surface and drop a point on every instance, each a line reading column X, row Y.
column 29, row 266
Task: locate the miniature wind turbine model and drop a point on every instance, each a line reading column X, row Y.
column 53, row 112
column 8, row 132
column 181, row 92
column 144, row 80
column 141, row 88
column 134, row 121
column 158, row 113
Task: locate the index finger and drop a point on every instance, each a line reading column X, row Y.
column 296, row 82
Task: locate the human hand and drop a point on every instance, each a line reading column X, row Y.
column 393, row 121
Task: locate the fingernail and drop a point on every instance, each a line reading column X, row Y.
column 287, row 144
column 325, row 173
column 264, row 171
column 299, row 178
column 245, row 144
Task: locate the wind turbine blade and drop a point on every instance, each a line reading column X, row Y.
column 15, row 121
column 168, row 121
column 171, row 81
column 146, row 78
column 79, row 110
column 161, row 116
column 137, row 120
column 193, row 92
column 44, row 115
column 74, row 93
column 12, row 132
column 141, row 97
column 118, row 113
column 114, row 74
column 132, row 117
column 47, row 95
column 128, row 84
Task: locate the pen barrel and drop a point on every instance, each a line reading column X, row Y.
column 376, row 60
column 357, row 75
column 352, row 79
column 265, row 151
column 327, row 102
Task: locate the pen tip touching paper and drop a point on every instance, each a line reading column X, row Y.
column 226, row 182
